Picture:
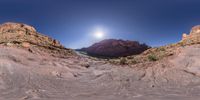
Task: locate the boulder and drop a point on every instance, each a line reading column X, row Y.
column 184, row 36
column 195, row 30
column 193, row 37
column 25, row 44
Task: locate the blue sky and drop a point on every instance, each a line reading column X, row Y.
column 155, row 22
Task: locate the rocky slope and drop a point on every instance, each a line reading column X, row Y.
column 158, row 53
column 174, row 76
column 25, row 36
column 115, row 48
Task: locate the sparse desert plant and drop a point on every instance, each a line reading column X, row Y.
column 162, row 49
column 181, row 44
column 113, row 61
column 123, row 61
column 134, row 61
column 130, row 57
column 152, row 57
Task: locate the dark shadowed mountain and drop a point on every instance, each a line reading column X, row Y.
column 115, row 48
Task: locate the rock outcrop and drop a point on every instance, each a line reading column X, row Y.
column 25, row 36
column 193, row 37
column 115, row 48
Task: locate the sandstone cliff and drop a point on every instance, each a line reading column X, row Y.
column 193, row 37
column 25, row 36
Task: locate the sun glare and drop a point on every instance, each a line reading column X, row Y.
column 99, row 35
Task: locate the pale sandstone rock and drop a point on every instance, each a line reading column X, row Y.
column 26, row 44
column 193, row 37
column 9, row 44
column 184, row 36
column 195, row 30
column 27, row 36
column 12, row 26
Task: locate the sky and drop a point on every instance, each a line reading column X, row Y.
column 74, row 22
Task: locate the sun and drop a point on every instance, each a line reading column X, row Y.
column 99, row 34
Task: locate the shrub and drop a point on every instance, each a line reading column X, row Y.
column 130, row 57
column 152, row 57
column 134, row 61
column 181, row 44
column 123, row 61
column 162, row 49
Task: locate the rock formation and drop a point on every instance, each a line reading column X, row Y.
column 193, row 37
column 115, row 48
column 25, row 36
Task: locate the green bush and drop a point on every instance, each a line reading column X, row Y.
column 152, row 57
column 123, row 61
column 162, row 49
column 133, row 61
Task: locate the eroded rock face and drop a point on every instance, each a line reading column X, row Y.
column 184, row 36
column 195, row 30
column 25, row 36
column 15, row 26
column 193, row 37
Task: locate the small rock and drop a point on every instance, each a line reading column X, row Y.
column 30, row 50
column 86, row 65
column 9, row 44
column 184, row 36
column 57, row 74
column 25, row 44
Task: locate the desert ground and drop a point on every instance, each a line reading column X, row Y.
column 27, row 73
column 25, row 76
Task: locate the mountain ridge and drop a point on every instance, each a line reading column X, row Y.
column 115, row 48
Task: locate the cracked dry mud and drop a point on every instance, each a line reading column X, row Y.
column 28, row 76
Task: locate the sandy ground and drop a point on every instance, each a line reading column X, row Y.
column 26, row 76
